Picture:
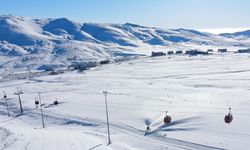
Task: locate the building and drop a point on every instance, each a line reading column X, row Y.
column 223, row 50
column 156, row 54
column 170, row 52
column 178, row 52
column 244, row 50
column 195, row 52
column 82, row 65
column 210, row 50
column 104, row 62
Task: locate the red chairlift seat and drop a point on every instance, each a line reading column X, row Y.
column 56, row 102
column 36, row 102
column 167, row 119
column 4, row 95
column 148, row 128
column 229, row 117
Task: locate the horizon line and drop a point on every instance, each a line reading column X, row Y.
column 208, row 30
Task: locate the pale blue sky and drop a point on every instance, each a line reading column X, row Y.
column 195, row 14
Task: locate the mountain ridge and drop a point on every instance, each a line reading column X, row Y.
column 245, row 34
column 30, row 43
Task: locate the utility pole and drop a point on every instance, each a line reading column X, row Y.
column 18, row 93
column 41, row 109
column 105, row 93
column 7, row 106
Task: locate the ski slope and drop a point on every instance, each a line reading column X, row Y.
column 196, row 91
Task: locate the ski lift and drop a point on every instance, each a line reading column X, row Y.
column 56, row 102
column 167, row 118
column 229, row 117
column 148, row 128
column 36, row 102
column 4, row 95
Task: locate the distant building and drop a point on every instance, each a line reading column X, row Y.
column 81, row 65
column 155, row 54
column 223, row 50
column 179, row 52
column 170, row 52
column 104, row 62
column 53, row 73
column 195, row 52
column 244, row 50
column 210, row 50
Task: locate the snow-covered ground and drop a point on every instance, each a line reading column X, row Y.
column 196, row 91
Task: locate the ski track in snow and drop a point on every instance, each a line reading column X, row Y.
column 168, row 142
column 5, row 138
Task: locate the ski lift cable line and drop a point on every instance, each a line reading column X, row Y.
column 203, row 107
column 170, row 106
column 115, row 107
column 160, row 100
column 238, row 109
column 156, row 99
column 167, row 99
column 152, row 110
column 180, row 112
column 126, row 108
column 159, row 111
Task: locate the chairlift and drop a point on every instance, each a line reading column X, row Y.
column 167, row 118
column 148, row 128
column 56, row 102
column 36, row 102
column 4, row 95
column 229, row 117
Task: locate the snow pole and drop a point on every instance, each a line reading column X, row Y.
column 41, row 109
column 105, row 93
column 7, row 106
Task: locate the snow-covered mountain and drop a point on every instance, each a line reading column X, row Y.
column 32, row 43
column 245, row 34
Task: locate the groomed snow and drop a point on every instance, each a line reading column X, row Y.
column 196, row 91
